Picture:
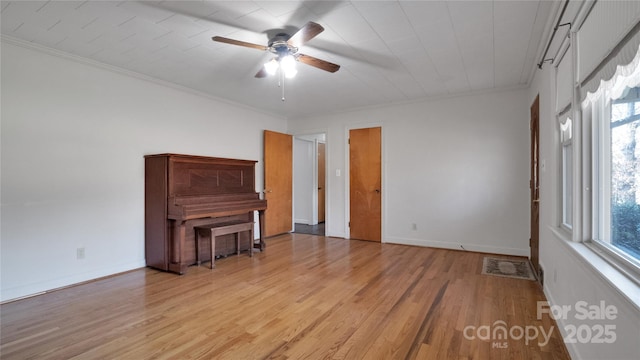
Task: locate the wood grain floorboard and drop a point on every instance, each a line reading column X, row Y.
column 305, row 297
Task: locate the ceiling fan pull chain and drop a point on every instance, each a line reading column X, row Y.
column 282, row 77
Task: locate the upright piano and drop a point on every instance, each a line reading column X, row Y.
column 183, row 191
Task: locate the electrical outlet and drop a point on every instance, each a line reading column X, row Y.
column 80, row 253
column 414, row 227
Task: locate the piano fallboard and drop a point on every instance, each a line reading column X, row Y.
column 213, row 206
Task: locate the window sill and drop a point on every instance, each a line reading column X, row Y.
column 596, row 261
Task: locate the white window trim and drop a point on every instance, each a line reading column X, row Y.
column 597, row 263
column 566, row 123
column 618, row 259
column 565, row 189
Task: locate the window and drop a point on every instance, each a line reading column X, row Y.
column 567, row 173
column 616, row 175
column 625, row 174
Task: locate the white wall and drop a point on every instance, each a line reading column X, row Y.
column 458, row 168
column 73, row 140
column 303, row 170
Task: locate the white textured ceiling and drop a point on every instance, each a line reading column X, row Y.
column 389, row 51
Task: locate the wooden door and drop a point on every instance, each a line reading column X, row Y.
column 535, row 186
column 321, row 181
column 365, row 182
column 278, row 183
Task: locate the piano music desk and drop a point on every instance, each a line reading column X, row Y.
column 225, row 228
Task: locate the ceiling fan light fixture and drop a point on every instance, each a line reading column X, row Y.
column 288, row 66
column 291, row 73
column 271, row 67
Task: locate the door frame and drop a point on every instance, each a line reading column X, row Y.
column 316, row 208
column 305, row 136
column 347, row 176
column 534, row 204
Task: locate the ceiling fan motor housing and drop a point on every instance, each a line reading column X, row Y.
column 279, row 45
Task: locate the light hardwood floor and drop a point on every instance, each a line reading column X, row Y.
column 304, row 297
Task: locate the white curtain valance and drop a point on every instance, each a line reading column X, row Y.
column 566, row 127
column 621, row 62
column 624, row 76
column 607, row 25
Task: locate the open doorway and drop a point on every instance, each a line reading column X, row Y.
column 309, row 179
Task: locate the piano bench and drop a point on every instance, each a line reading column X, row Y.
column 219, row 229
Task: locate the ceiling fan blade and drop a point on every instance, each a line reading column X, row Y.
column 306, row 33
column 239, row 43
column 320, row 64
column 262, row 73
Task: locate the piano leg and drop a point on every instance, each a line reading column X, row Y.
column 177, row 262
column 252, row 241
column 261, row 225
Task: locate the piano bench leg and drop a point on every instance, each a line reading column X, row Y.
column 197, row 238
column 251, row 242
column 237, row 235
column 213, row 251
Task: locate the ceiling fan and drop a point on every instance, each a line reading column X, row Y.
column 285, row 47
